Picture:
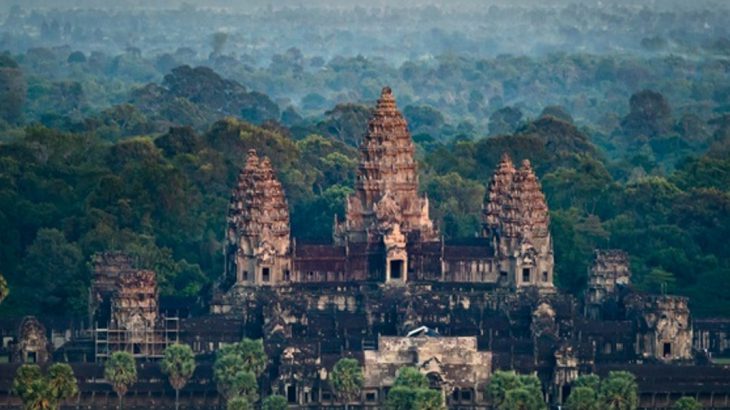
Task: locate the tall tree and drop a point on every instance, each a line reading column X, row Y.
column 347, row 380
column 62, row 384
column 121, row 372
column 619, row 391
column 233, row 378
column 28, row 383
column 178, row 364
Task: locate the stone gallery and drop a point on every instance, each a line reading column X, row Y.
column 390, row 292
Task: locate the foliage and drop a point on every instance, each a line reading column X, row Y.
column 411, row 391
column 582, row 398
column 148, row 169
column 619, row 391
column 178, row 363
column 62, row 384
column 236, row 368
column 521, row 399
column 38, row 391
column 120, row 370
column 251, row 352
column 687, row 403
column 347, row 379
column 239, row 403
column 509, row 390
column 591, row 381
column 26, row 382
column 412, row 378
column 274, row 402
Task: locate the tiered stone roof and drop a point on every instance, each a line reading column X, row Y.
column 386, row 190
column 516, row 206
column 258, row 210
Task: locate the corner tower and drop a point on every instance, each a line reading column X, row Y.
column 386, row 208
column 517, row 222
column 258, row 248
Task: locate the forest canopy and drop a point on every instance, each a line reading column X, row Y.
column 137, row 147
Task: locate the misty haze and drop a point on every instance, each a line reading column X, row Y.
column 415, row 205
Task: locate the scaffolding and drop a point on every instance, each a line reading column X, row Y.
column 146, row 343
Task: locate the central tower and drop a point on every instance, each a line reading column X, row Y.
column 385, row 209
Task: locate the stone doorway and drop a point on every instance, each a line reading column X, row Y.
column 396, row 269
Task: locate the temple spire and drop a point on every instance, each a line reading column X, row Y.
column 387, row 180
column 258, row 248
column 516, row 220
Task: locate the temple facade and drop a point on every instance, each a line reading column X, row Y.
column 390, row 292
column 387, row 235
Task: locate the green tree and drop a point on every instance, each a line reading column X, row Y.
column 687, row 403
column 619, row 391
column 239, row 403
column 582, row 398
column 401, row 398
column 504, row 382
column 411, row 378
column 275, row 402
column 588, row 380
column 500, row 383
column 121, row 372
column 26, row 383
column 39, row 392
column 233, row 378
column 347, row 380
column 411, row 392
column 39, row 398
column 251, row 352
column 62, row 384
column 178, row 364
column 52, row 269
column 429, row 399
column 520, row 399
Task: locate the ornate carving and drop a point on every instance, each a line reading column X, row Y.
column 258, row 234
column 386, row 190
column 515, row 218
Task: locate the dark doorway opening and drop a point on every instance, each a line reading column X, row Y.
column 291, row 393
column 525, row 274
column 31, row 357
column 396, row 269
column 667, row 349
column 266, row 274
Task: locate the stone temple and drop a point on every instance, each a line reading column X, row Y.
column 390, row 292
column 387, row 235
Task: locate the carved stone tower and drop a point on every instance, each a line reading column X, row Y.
column 258, row 247
column 516, row 220
column 610, row 270
column 385, row 209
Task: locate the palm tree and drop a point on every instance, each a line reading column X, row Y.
column 62, row 383
column 178, row 364
column 275, row 402
column 347, row 379
column 121, row 371
column 619, row 391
